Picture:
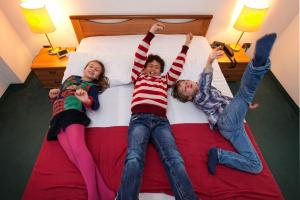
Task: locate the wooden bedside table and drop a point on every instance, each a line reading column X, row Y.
column 234, row 73
column 49, row 68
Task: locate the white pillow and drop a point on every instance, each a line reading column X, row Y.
column 117, row 67
column 117, row 54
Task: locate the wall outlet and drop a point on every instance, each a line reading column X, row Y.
column 246, row 46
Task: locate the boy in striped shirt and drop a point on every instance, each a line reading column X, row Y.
column 227, row 114
column 149, row 123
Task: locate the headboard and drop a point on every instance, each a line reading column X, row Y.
column 95, row 25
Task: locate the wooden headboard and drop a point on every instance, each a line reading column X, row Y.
column 95, row 25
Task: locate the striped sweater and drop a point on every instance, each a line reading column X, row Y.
column 150, row 92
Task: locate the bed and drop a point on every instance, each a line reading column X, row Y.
column 113, row 40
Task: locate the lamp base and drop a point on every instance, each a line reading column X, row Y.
column 54, row 50
column 235, row 47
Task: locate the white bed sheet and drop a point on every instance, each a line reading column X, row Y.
column 115, row 101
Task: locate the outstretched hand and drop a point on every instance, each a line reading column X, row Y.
column 253, row 106
column 189, row 38
column 157, row 27
column 215, row 54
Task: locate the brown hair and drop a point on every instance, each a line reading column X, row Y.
column 177, row 95
column 158, row 59
column 102, row 82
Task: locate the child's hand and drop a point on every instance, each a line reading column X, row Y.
column 82, row 96
column 53, row 93
column 157, row 27
column 189, row 38
column 252, row 106
column 215, row 54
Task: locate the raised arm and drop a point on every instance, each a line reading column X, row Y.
column 142, row 50
column 177, row 66
column 214, row 54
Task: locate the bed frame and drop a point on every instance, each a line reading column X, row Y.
column 102, row 25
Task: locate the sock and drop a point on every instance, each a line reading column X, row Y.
column 263, row 48
column 212, row 160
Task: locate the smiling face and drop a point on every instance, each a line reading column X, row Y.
column 92, row 71
column 185, row 90
column 153, row 68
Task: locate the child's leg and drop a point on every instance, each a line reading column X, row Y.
column 104, row 192
column 85, row 162
column 230, row 123
column 257, row 68
column 64, row 143
column 163, row 139
column 138, row 138
column 246, row 159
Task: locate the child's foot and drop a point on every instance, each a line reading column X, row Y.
column 212, row 160
column 263, row 48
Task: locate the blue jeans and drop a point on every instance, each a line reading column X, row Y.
column 231, row 124
column 145, row 128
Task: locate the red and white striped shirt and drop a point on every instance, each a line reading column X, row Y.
column 150, row 92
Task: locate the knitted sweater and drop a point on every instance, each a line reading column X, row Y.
column 67, row 109
column 150, row 92
column 66, row 99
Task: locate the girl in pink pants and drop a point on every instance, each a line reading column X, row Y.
column 69, row 120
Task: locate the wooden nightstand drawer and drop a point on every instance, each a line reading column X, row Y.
column 46, row 74
column 234, row 73
column 51, row 83
column 49, row 68
column 50, row 77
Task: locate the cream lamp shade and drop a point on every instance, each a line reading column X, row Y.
column 249, row 20
column 39, row 21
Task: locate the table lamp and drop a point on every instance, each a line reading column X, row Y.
column 39, row 21
column 249, row 20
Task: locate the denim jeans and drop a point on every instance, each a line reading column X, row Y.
column 231, row 124
column 145, row 128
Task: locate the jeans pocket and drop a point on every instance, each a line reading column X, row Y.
column 134, row 117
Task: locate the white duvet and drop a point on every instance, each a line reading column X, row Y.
column 117, row 53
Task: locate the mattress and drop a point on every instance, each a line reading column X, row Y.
column 55, row 177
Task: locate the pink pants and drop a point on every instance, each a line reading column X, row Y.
column 73, row 143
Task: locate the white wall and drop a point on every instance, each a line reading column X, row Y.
column 15, row 58
column 280, row 14
column 285, row 60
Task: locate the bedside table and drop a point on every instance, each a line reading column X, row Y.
column 49, row 68
column 234, row 73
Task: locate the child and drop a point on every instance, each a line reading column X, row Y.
column 228, row 114
column 149, row 123
column 69, row 120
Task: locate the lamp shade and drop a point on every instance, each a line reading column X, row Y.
column 250, row 19
column 37, row 18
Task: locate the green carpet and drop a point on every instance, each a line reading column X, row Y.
column 25, row 111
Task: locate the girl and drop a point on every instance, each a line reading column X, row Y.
column 69, row 120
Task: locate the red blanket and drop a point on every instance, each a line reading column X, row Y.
column 55, row 177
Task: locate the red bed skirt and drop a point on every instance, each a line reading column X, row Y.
column 55, row 177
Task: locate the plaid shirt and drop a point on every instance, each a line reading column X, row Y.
column 210, row 100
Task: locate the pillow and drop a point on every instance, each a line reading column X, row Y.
column 117, row 54
column 117, row 67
